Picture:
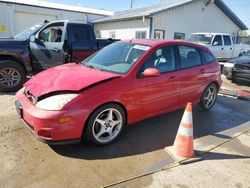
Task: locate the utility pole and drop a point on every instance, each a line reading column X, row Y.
column 131, row 4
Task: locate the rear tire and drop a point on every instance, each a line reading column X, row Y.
column 12, row 76
column 208, row 97
column 105, row 124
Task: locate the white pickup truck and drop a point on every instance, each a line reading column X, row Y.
column 220, row 44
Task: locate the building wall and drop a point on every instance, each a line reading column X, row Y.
column 194, row 17
column 187, row 19
column 15, row 18
column 123, row 29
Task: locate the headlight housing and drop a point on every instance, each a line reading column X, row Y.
column 229, row 65
column 56, row 102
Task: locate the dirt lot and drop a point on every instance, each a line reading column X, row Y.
column 26, row 162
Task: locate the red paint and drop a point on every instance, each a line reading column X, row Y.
column 79, row 56
column 151, row 72
column 141, row 97
column 67, row 77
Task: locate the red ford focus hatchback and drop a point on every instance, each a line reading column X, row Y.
column 124, row 83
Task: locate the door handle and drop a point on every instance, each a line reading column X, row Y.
column 56, row 50
column 202, row 71
column 172, row 78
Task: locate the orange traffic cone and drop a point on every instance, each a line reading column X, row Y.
column 183, row 144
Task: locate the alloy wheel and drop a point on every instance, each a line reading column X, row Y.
column 107, row 125
column 210, row 97
column 9, row 77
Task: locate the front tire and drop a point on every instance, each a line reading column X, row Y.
column 229, row 77
column 105, row 124
column 12, row 76
column 208, row 97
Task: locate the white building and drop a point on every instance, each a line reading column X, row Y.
column 175, row 19
column 17, row 15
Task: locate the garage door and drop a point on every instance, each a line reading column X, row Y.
column 24, row 20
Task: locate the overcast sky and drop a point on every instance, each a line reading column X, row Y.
column 240, row 7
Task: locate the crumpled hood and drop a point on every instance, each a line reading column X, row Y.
column 68, row 77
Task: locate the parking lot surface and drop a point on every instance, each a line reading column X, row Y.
column 26, row 162
column 226, row 166
column 238, row 84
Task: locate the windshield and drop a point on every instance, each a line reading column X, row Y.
column 201, row 38
column 24, row 35
column 118, row 57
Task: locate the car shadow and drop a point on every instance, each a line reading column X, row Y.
column 159, row 132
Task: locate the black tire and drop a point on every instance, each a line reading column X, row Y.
column 5, row 65
column 91, row 124
column 203, row 102
column 229, row 77
column 233, row 80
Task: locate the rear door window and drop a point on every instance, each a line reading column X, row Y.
column 227, row 40
column 79, row 33
column 81, row 37
column 189, row 56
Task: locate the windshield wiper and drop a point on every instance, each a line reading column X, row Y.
column 93, row 67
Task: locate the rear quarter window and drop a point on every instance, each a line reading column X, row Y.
column 189, row 56
column 207, row 57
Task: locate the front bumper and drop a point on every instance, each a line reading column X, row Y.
column 45, row 125
column 227, row 71
column 241, row 74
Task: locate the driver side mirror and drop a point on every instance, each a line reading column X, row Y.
column 32, row 38
column 150, row 72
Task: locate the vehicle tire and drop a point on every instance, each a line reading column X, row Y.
column 234, row 80
column 12, row 76
column 229, row 77
column 208, row 97
column 105, row 124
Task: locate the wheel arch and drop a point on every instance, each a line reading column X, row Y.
column 111, row 102
column 214, row 82
column 12, row 58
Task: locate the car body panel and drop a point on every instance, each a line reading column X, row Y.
column 140, row 97
column 38, row 120
column 238, row 68
column 241, row 70
column 65, row 78
column 11, row 48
